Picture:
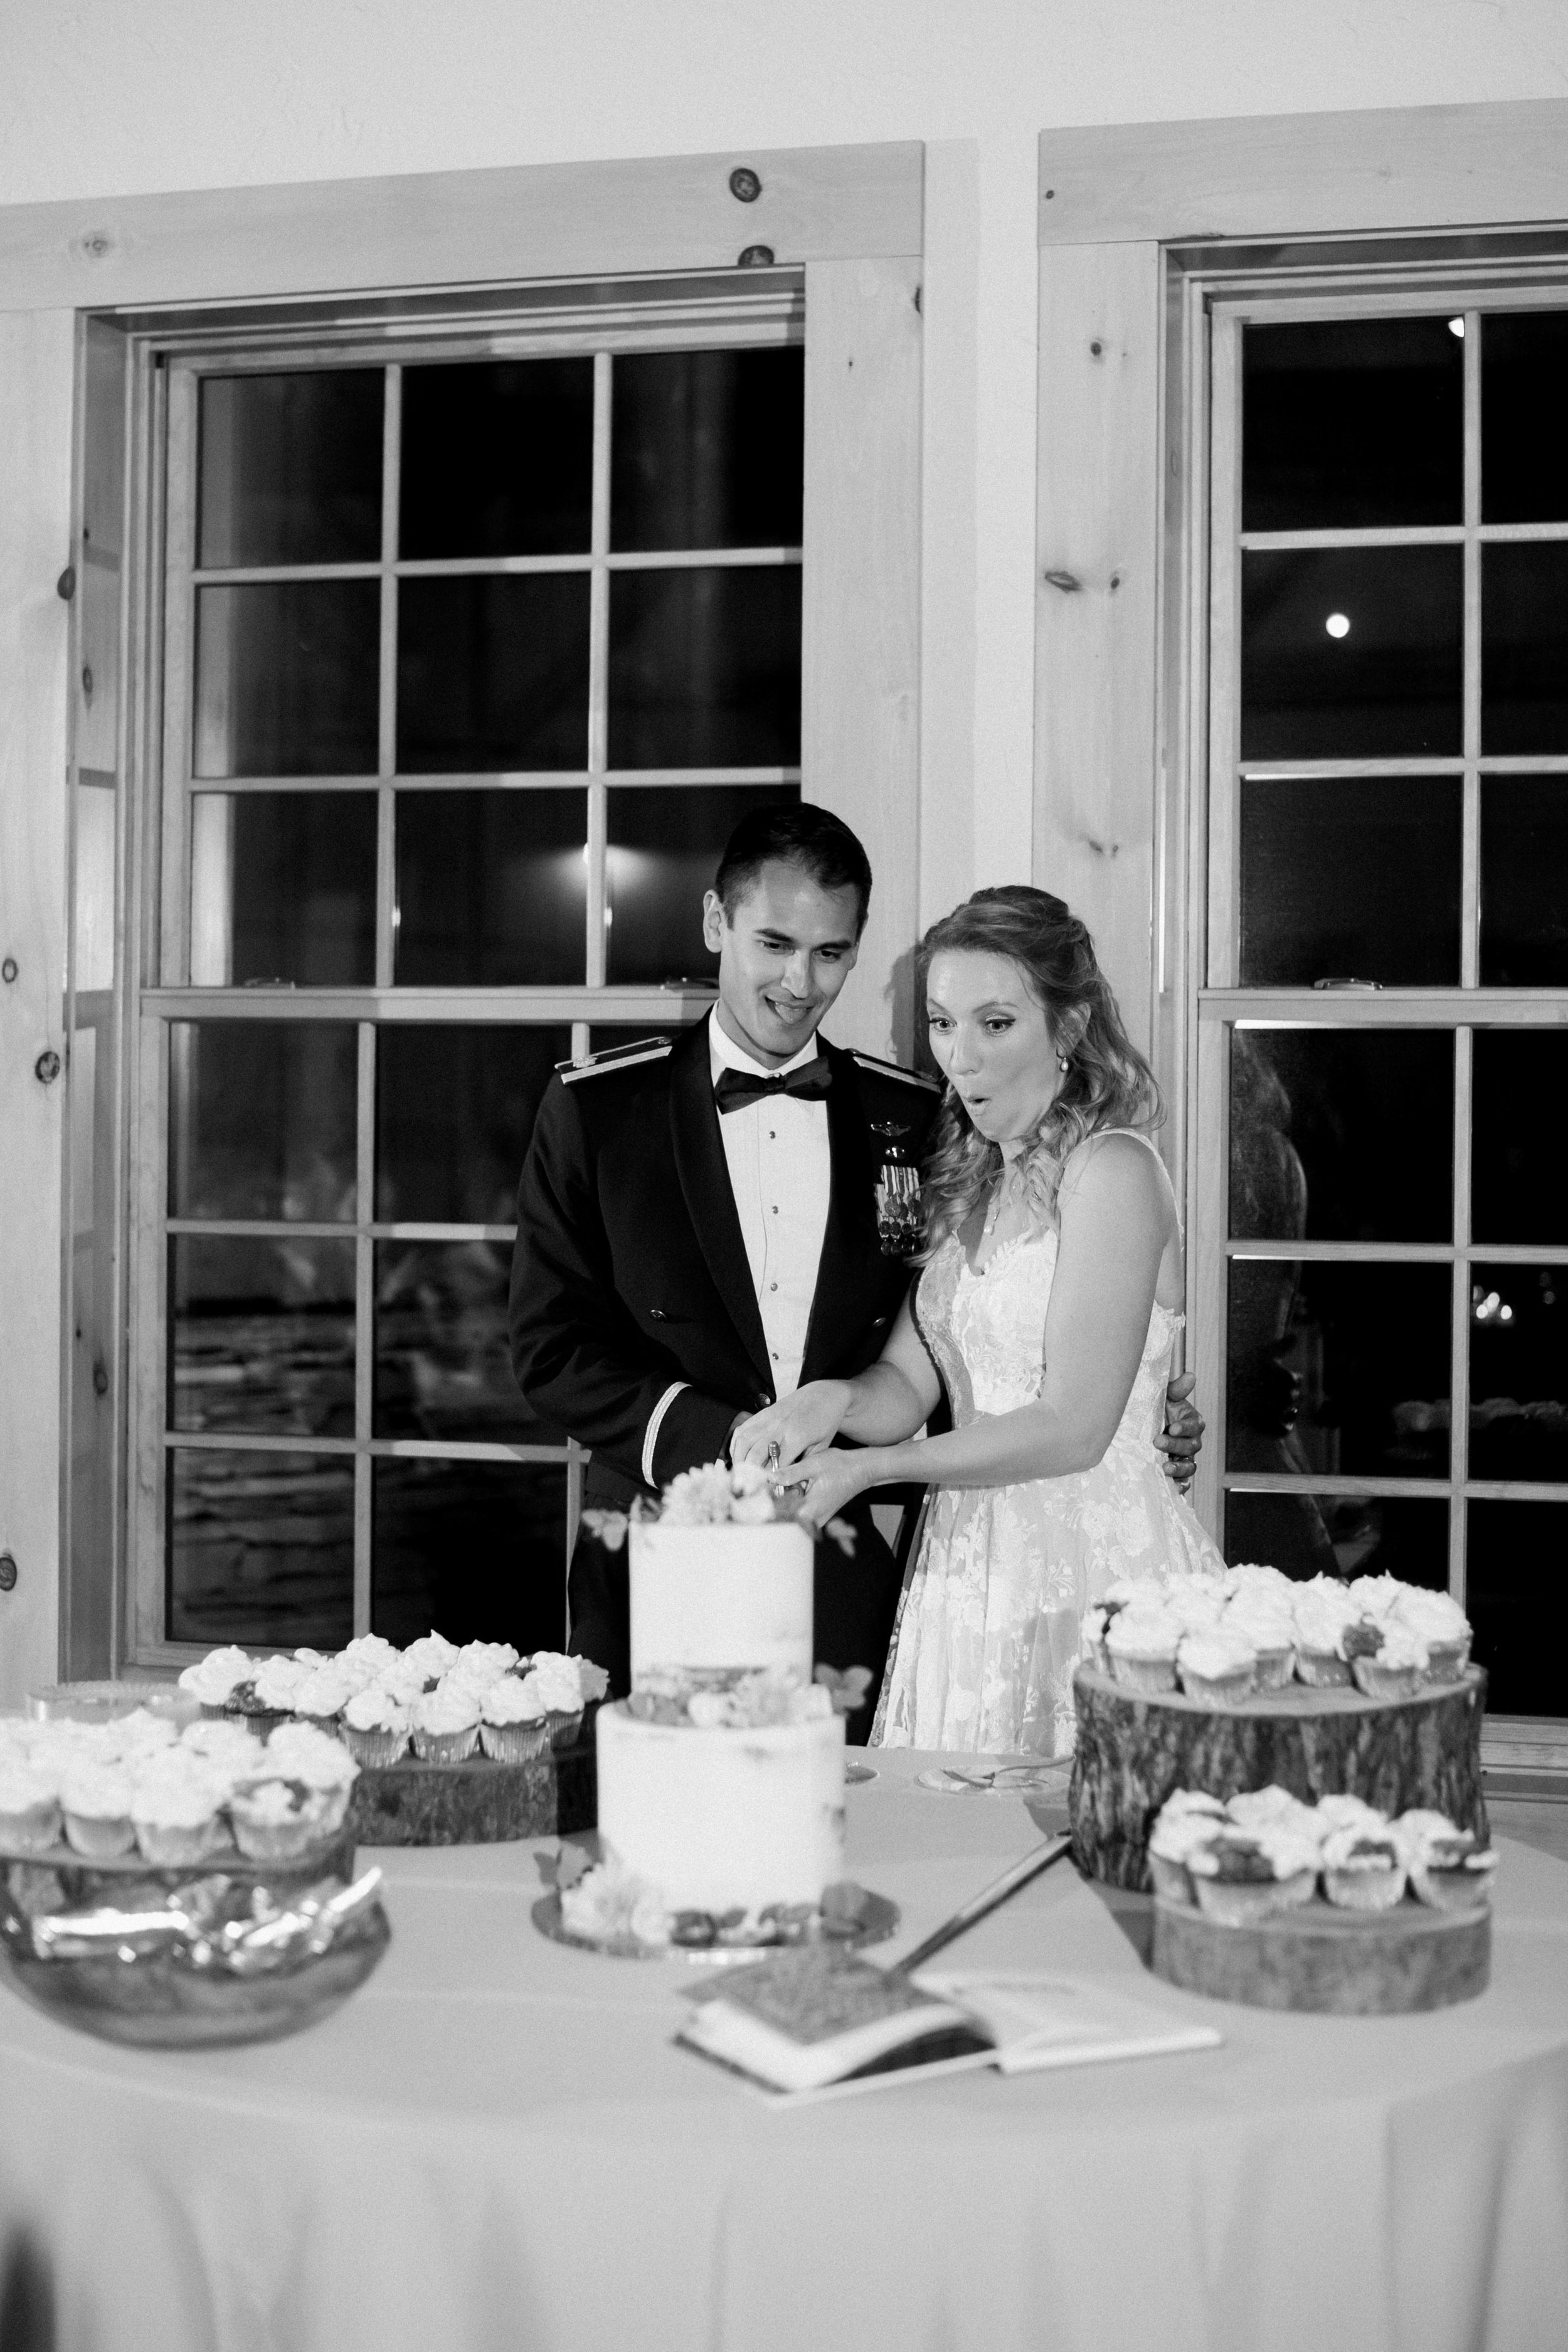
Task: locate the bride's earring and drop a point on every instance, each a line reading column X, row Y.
column 1063, row 1064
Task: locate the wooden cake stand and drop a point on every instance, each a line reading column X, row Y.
column 1135, row 1751
column 1352, row 1963
column 478, row 1802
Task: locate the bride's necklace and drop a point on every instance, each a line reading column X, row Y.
column 1007, row 1193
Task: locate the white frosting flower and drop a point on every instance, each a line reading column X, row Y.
column 1146, row 1630
column 298, row 1751
column 1375, row 1596
column 177, row 1791
column 433, row 1654
column 446, row 1709
column 142, row 1734
column 486, row 1658
column 376, row 1709
column 214, row 1678
column 97, row 1792
column 1401, row 1649
column 510, row 1700
column 1434, row 1616
column 228, row 1747
column 1273, row 1808
column 554, row 1678
column 1214, row 1658
column 324, row 1692
column 278, row 1681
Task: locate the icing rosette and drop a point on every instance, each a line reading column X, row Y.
column 432, row 1655
column 1140, row 1643
column 214, row 1679
column 1218, row 1667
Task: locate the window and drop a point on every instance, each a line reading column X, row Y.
column 1383, row 1230
column 476, row 646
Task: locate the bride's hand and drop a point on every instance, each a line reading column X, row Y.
column 797, row 1424
column 832, row 1478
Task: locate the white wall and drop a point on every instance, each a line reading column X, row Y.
column 109, row 98
column 121, row 96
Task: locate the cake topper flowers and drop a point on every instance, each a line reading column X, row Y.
column 714, row 1496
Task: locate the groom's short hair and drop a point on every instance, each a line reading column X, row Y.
column 793, row 834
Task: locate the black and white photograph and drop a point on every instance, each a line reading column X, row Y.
column 784, row 1024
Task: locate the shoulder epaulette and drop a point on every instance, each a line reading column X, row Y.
column 614, row 1057
column 895, row 1070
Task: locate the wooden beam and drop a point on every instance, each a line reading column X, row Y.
column 1313, row 175
column 535, row 221
column 860, row 644
column 1096, row 600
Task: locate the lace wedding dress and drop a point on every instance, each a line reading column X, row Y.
column 988, row 1629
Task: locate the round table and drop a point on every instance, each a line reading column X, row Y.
column 495, row 2145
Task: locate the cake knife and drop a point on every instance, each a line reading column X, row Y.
column 979, row 1907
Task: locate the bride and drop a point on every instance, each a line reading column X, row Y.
column 1049, row 1305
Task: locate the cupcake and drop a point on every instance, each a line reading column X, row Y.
column 298, row 1751
column 1322, row 1613
column 322, row 1697
column 1268, row 1624
column 1396, row 1668
column 432, row 1654
column 564, row 1686
column 485, row 1660
column 375, row 1725
column 1364, row 1870
column 277, row 1820
column 230, row 1749
column 1259, row 1809
column 278, row 1682
column 1218, row 1668
column 95, row 1800
column 1376, row 1596
column 1140, row 1643
column 29, row 1807
column 175, row 1806
column 514, row 1724
column 135, row 1738
column 216, row 1679
column 367, row 1660
column 446, row 1725
column 405, row 1681
column 1175, row 1837
column 1437, row 1619
column 1448, row 1871
column 1242, row 1879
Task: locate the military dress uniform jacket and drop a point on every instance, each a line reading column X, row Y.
column 630, row 1273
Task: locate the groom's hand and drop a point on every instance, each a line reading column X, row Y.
column 1183, row 1436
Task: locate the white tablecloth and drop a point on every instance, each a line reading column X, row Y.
column 494, row 2145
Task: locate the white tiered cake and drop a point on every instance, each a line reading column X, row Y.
column 721, row 1778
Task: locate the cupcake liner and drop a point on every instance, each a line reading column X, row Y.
column 1275, row 1669
column 331, row 1724
column 1151, row 1675
column 1238, row 1902
column 32, row 1831
column 563, row 1729
column 99, row 1839
column 276, row 1841
column 1375, row 1680
column 374, row 1748
column 515, row 1743
column 1364, row 1890
column 1451, row 1890
column 1219, row 1690
column 445, row 1747
column 166, row 1848
column 1446, row 1660
column 1323, row 1670
column 1172, row 1880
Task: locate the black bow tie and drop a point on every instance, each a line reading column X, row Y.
column 736, row 1088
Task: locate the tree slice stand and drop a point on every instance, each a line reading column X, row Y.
column 478, row 1802
column 1135, row 1751
column 1347, row 1963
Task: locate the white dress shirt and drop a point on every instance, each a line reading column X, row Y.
column 781, row 1173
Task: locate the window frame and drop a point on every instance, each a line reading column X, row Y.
column 415, row 250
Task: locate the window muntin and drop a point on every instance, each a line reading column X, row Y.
column 394, row 852
column 1378, row 1034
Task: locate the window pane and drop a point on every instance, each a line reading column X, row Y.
column 1340, row 1535
column 291, row 468
column 1340, row 1370
column 1519, row 1372
column 665, row 846
column 705, row 667
column 1351, row 423
column 1517, row 1168
column 492, row 888
column 262, row 1118
column 1388, row 685
column 263, row 1335
column 1351, row 877
column 286, row 678
column 283, row 887
column 1341, row 1135
column 455, row 1109
column 260, row 1549
column 1524, row 648
column 498, row 458
column 1524, row 881
column 1524, row 384
column 492, row 673
column 706, row 450
column 476, row 1549
column 442, row 1363
column 1515, row 1598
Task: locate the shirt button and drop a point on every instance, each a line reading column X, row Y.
column 776, row 1208
column 772, row 1285
column 775, row 1355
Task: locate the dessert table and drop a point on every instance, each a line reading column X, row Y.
column 494, row 2145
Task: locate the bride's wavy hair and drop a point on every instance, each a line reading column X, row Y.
column 1107, row 1083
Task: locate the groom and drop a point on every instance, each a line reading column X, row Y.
column 697, row 1228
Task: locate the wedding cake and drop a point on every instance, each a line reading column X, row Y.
column 721, row 1805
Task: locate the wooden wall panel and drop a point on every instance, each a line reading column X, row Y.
column 1313, row 175
column 1096, row 600
column 37, row 354
column 544, row 220
column 860, row 653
